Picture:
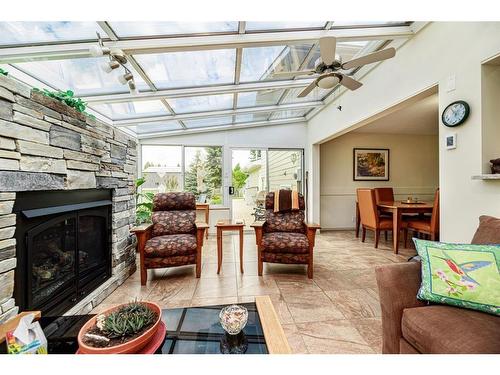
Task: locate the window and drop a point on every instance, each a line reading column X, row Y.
column 162, row 168
column 203, row 173
column 184, row 168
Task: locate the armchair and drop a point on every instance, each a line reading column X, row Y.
column 174, row 238
column 285, row 237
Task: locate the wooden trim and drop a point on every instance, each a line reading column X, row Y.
column 11, row 324
column 273, row 331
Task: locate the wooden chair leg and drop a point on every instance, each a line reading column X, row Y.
column 405, row 236
column 385, row 235
column 144, row 274
column 260, row 264
column 433, row 236
column 310, row 270
column 363, row 234
column 377, row 237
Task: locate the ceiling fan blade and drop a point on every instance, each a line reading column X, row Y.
column 307, row 90
column 370, row 58
column 327, row 47
column 294, row 73
column 350, row 83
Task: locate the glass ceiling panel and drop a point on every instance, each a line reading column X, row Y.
column 252, row 117
column 315, row 95
column 292, row 113
column 201, row 103
column 190, row 68
column 134, row 29
column 258, row 25
column 12, row 33
column 83, row 76
column 155, row 127
column 207, row 122
column 259, row 98
column 347, row 24
column 120, row 111
column 259, row 63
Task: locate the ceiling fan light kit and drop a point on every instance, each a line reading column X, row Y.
column 329, row 65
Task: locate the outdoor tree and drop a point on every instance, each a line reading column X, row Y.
column 213, row 169
column 191, row 175
column 239, row 177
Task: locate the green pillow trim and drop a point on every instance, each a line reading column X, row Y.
column 460, row 275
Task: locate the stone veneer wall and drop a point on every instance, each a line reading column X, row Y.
column 46, row 145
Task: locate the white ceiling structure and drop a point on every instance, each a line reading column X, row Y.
column 191, row 77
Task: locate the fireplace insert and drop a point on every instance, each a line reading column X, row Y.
column 63, row 247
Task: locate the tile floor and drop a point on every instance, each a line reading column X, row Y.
column 336, row 312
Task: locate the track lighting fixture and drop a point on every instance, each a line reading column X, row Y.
column 132, row 87
column 99, row 50
column 125, row 78
column 109, row 66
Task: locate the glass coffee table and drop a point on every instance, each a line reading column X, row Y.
column 190, row 330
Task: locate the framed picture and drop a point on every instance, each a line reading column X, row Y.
column 371, row 164
column 451, row 141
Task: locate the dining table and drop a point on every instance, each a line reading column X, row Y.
column 398, row 208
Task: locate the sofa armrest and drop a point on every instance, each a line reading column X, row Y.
column 311, row 229
column 398, row 285
column 259, row 228
column 143, row 234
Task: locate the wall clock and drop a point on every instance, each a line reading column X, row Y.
column 455, row 114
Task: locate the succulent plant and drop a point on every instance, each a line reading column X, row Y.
column 128, row 320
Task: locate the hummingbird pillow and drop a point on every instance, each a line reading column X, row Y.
column 465, row 276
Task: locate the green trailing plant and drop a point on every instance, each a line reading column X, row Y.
column 144, row 203
column 4, row 72
column 67, row 97
column 128, row 320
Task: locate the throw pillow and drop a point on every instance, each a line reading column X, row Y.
column 460, row 275
column 488, row 231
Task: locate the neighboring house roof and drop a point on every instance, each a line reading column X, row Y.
column 163, row 169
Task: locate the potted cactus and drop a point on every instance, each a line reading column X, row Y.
column 124, row 329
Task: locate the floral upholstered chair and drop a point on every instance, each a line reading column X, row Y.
column 285, row 237
column 174, row 238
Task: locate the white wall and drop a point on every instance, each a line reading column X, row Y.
column 274, row 136
column 438, row 51
column 413, row 171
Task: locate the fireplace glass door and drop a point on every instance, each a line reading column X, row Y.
column 52, row 249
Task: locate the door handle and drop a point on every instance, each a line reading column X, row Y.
column 231, row 190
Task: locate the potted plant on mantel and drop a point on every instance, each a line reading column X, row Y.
column 123, row 329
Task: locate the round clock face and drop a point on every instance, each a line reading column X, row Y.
column 455, row 114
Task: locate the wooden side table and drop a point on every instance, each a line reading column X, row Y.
column 205, row 207
column 226, row 225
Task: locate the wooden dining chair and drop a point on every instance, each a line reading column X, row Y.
column 425, row 225
column 370, row 217
column 384, row 194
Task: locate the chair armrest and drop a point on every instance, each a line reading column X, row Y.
column 201, row 225
column 312, row 226
column 398, row 285
column 141, row 228
column 258, row 224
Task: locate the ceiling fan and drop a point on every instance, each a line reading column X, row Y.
column 329, row 66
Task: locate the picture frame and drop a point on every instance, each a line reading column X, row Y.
column 371, row 164
column 451, row 141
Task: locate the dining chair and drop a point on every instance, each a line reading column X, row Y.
column 425, row 225
column 370, row 217
column 384, row 194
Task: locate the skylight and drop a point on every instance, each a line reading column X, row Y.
column 187, row 71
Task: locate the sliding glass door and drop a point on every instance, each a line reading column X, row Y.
column 257, row 171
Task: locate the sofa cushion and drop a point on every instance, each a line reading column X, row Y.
column 174, row 201
column 171, row 245
column 173, row 222
column 285, row 242
column 460, row 275
column 291, row 221
column 446, row 329
column 488, row 231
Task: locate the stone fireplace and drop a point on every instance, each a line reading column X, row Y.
column 66, row 205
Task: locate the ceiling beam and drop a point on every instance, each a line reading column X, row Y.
column 198, row 43
column 207, row 129
column 226, row 112
column 197, row 91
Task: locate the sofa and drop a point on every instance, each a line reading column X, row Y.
column 411, row 326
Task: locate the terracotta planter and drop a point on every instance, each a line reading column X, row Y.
column 130, row 347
